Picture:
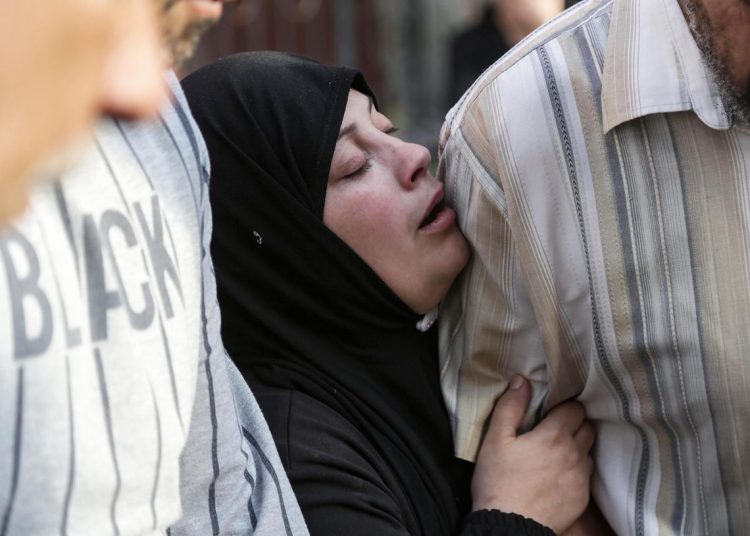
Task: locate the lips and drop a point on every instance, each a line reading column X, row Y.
column 432, row 215
column 435, row 207
column 438, row 217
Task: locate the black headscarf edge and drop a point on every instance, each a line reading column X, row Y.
column 346, row 79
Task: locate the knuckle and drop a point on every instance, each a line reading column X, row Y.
column 572, row 457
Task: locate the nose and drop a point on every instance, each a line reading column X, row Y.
column 413, row 162
column 132, row 85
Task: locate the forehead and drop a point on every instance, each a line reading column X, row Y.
column 360, row 107
column 357, row 104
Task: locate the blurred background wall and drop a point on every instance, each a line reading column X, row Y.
column 402, row 46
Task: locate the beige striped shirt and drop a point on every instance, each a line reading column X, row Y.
column 605, row 193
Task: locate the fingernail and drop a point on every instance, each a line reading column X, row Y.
column 516, row 382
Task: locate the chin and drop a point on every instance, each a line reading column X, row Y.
column 457, row 259
column 460, row 252
column 204, row 9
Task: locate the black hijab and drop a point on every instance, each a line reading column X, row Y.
column 300, row 310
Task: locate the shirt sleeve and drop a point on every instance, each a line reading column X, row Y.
column 488, row 330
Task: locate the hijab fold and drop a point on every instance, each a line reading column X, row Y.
column 300, row 310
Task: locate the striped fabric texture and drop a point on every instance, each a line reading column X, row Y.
column 119, row 409
column 604, row 191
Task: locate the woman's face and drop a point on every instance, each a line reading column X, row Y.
column 384, row 203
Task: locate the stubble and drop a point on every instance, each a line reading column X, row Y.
column 735, row 97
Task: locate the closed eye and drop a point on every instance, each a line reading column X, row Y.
column 364, row 168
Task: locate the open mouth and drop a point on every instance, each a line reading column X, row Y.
column 432, row 215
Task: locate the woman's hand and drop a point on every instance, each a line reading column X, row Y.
column 543, row 474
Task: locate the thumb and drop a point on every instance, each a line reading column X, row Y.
column 511, row 408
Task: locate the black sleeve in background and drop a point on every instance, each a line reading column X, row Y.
column 497, row 523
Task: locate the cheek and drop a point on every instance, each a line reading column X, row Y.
column 735, row 40
column 741, row 32
column 371, row 220
column 730, row 21
column 368, row 223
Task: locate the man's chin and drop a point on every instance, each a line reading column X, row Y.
column 201, row 10
column 180, row 53
column 184, row 25
column 716, row 55
column 744, row 117
column 737, row 103
column 183, row 47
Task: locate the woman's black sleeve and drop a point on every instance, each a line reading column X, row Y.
column 497, row 523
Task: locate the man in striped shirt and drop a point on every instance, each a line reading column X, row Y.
column 600, row 172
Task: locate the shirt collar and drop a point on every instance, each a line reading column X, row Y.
column 653, row 65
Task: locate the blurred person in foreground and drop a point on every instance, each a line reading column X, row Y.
column 117, row 397
column 65, row 63
column 600, row 172
column 503, row 24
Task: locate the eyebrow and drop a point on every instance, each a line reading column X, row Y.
column 351, row 127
